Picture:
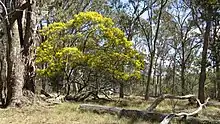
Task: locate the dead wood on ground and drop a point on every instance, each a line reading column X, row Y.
column 164, row 118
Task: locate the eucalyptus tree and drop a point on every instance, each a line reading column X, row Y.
column 91, row 41
column 152, row 34
column 18, row 30
column 166, row 51
column 202, row 12
column 215, row 47
column 186, row 38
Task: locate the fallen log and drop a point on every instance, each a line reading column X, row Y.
column 133, row 114
column 144, row 115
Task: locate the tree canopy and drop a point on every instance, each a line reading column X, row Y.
column 90, row 40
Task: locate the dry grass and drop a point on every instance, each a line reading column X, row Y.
column 68, row 113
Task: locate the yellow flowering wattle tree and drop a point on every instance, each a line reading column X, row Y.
column 88, row 40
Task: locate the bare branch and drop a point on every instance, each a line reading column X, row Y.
column 196, row 111
column 169, row 117
column 167, row 96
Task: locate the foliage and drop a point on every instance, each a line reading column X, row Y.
column 91, row 40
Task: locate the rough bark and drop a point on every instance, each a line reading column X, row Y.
column 15, row 69
column 3, row 63
column 28, row 44
column 15, row 42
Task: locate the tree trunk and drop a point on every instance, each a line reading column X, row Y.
column 216, row 54
column 154, row 83
column 29, row 43
column 68, row 89
column 153, row 52
column 43, row 79
column 174, row 73
column 3, row 62
column 121, row 90
column 155, row 77
column 217, row 63
column 15, row 79
column 16, row 42
column 75, row 88
column 183, row 64
column 156, row 87
column 149, row 78
column 183, row 67
column 160, row 78
column 202, row 77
